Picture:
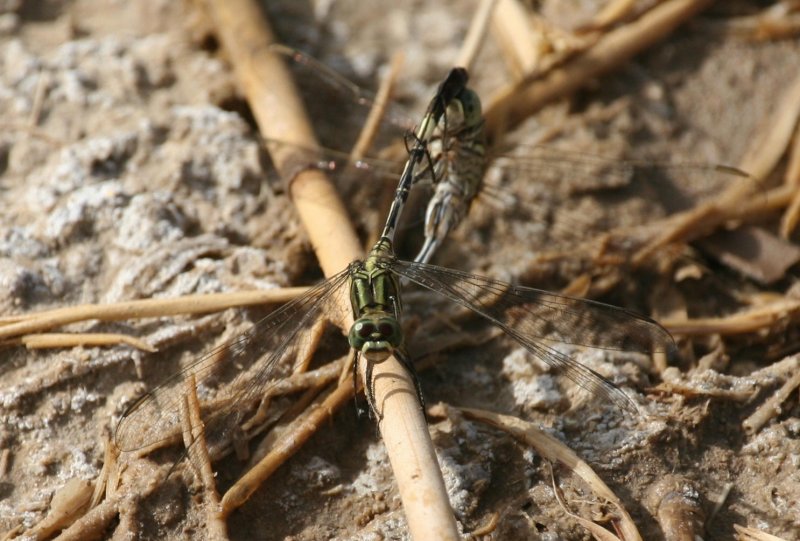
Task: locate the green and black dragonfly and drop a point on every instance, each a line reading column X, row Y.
column 538, row 320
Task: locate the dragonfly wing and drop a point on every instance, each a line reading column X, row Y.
column 539, row 320
column 573, row 172
column 240, row 369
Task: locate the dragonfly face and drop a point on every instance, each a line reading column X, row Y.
column 376, row 335
column 465, row 111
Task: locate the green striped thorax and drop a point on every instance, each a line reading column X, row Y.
column 376, row 332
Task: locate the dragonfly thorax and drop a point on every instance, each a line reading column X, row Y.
column 374, row 297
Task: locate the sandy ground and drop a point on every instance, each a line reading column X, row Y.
column 129, row 169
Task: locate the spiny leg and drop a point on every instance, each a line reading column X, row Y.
column 359, row 409
column 369, row 391
column 369, row 384
column 401, row 355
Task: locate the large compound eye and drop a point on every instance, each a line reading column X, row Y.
column 471, row 104
column 386, row 328
column 364, row 330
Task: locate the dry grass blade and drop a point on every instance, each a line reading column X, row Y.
column 376, row 113
column 475, row 35
column 792, row 179
column 531, row 44
column 744, row 533
column 760, row 160
column 69, row 503
column 93, row 524
column 553, row 450
column 597, row 531
column 246, row 36
column 675, row 501
column 514, row 104
column 778, row 21
column 68, row 340
column 754, row 320
column 772, row 407
column 776, row 134
column 516, row 36
column 35, row 322
column 194, row 440
column 612, row 13
column 297, row 434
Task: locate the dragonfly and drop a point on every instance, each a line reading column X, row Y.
column 462, row 161
column 234, row 376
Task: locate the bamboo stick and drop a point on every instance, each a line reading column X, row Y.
column 246, row 35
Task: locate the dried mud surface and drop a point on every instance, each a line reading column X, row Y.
column 140, row 176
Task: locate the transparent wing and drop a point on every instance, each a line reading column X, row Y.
column 573, row 172
column 539, row 319
column 344, row 104
column 234, row 374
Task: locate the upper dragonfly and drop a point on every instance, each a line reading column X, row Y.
column 232, row 377
column 460, row 158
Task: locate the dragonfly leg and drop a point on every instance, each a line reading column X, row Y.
column 369, row 391
column 401, row 355
column 360, row 410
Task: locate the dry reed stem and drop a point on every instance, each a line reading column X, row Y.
column 612, row 13
column 297, row 433
column 69, row 503
column 530, row 43
column 775, row 135
column 759, row 161
column 68, row 340
column 597, row 531
column 93, row 524
column 744, row 533
column 520, row 42
column 749, row 321
column 195, row 442
column 772, row 407
column 373, row 122
column 792, row 179
column 774, row 22
column 101, row 487
column 372, row 125
column 517, row 102
column 555, row 451
column 246, row 36
column 34, row 322
column 675, row 500
column 475, row 35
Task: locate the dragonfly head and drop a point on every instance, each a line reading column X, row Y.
column 465, row 110
column 375, row 336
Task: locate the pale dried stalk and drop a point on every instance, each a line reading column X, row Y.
column 612, row 13
column 772, row 407
column 555, row 451
column 373, row 121
column 68, row 340
column 195, row 442
column 776, row 134
column 791, row 216
column 514, row 104
column 762, row 157
column 517, row 37
column 744, row 533
column 748, row 321
column 190, row 304
column 475, row 34
column 246, row 36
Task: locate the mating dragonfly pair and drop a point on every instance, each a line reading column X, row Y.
column 536, row 319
